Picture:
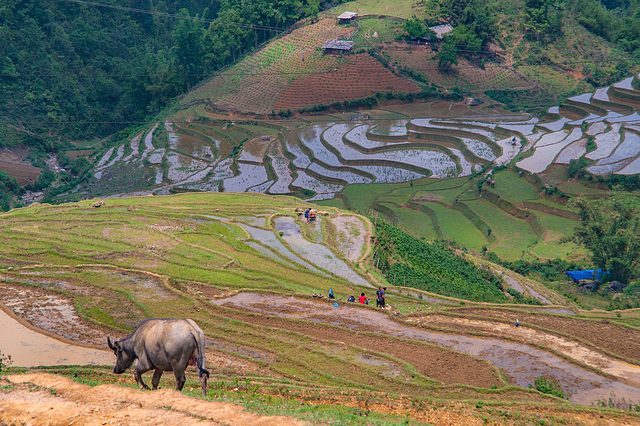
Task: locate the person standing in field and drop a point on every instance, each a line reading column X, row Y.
column 380, row 302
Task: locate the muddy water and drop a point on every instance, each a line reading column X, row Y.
column 317, row 254
column 521, row 362
column 269, row 239
column 29, row 348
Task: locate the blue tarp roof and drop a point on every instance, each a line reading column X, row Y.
column 585, row 275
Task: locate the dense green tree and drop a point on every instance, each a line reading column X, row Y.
column 188, row 48
column 609, row 230
column 543, row 19
column 415, row 27
column 448, row 55
column 83, row 71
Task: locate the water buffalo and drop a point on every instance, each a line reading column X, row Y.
column 162, row 345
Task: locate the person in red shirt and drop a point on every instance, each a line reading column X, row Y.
column 362, row 299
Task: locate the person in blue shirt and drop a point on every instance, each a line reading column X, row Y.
column 380, row 302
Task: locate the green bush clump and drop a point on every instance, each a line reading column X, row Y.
column 5, row 360
column 409, row 261
column 549, row 270
column 548, row 386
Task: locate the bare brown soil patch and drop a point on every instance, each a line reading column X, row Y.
column 613, row 338
column 255, row 149
column 361, row 77
column 437, row 363
column 52, row 314
column 207, row 290
column 80, row 153
column 22, row 172
column 74, row 403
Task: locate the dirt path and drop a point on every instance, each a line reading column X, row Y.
column 67, row 402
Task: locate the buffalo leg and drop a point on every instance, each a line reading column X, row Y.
column 180, row 378
column 203, row 383
column 138, row 375
column 156, row 378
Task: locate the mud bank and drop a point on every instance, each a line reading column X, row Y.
column 29, row 348
column 522, row 363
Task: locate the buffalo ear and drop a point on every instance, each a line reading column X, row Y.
column 111, row 346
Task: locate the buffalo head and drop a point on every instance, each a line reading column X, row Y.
column 123, row 359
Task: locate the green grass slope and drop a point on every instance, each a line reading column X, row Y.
column 137, row 258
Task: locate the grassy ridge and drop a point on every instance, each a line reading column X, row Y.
column 463, row 214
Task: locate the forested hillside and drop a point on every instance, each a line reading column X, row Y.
column 83, row 69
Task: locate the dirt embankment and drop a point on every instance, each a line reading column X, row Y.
column 63, row 401
column 437, row 363
column 609, row 337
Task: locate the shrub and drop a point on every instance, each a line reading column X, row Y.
column 548, row 386
column 5, row 360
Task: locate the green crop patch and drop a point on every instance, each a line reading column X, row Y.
column 456, row 227
column 407, row 261
column 510, row 186
column 514, row 235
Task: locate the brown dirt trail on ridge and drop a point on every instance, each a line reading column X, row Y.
column 75, row 403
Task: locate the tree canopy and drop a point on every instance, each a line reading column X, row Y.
column 84, row 71
column 610, row 230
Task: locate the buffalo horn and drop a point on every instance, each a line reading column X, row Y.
column 113, row 348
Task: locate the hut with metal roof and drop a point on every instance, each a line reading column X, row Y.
column 346, row 17
column 337, row 46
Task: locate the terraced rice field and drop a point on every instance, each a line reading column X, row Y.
column 513, row 234
column 254, row 83
column 318, row 161
column 465, row 75
column 358, row 76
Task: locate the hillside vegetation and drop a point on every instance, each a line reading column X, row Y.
column 504, row 56
column 526, row 55
column 236, row 264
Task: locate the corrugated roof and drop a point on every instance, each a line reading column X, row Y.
column 347, row 15
column 338, row 44
column 441, row 30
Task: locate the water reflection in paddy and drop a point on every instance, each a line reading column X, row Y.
column 521, row 362
column 29, row 348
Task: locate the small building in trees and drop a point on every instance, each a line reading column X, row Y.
column 587, row 274
column 337, row 46
column 441, row 30
column 347, row 17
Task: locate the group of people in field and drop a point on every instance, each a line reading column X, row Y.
column 380, row 298
column 309, row 215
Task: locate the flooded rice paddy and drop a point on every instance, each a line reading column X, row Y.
column 520, row 362
column 28, row 348
column 322, row 158
column 317, row 254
